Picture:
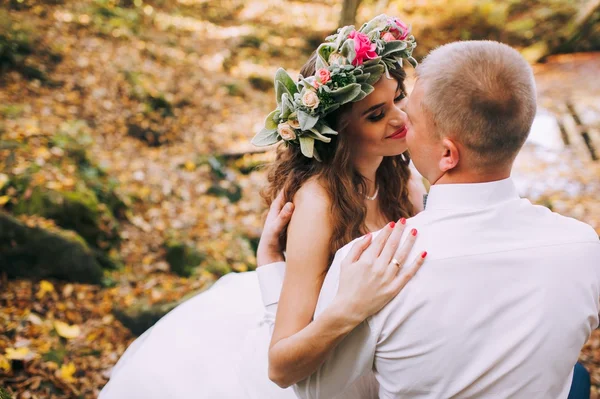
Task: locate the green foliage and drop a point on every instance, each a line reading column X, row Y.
column 215, row 11
column 182, row 258
column 260, row 82
column 11, row 111
column 78, row 210
column 218, row 268
column 251, row 41
column 15, row 43
column 234, row 89
column 518, row 23
column 20, row 50
column 224, row 184
column 56, row 355
column 4, row 394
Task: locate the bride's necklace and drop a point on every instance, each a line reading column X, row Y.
column 371, row 198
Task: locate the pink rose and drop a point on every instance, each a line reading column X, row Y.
column 323, row 75
column 363, row 47
column 388, row 37
column 399, row 29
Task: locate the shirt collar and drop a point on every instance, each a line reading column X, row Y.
column 471, row 195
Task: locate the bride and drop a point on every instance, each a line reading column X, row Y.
column 344, row 172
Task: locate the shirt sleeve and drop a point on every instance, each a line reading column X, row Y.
column 348, row 361
column 270, row 281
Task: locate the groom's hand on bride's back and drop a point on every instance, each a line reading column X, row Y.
column 269, row 247
column 374, row 271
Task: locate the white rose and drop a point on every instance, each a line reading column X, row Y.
column 294, row 123
column 286, row 132
column 337, row 59
column 310, row 99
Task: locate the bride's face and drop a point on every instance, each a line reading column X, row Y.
column 376, row 124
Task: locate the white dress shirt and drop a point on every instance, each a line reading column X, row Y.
column 501, row 308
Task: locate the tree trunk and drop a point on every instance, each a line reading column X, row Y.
column 349, row 9
column 579, row 27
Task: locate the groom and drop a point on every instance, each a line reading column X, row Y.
column 510, row 291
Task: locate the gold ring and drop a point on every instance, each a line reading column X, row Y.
column 395, row 262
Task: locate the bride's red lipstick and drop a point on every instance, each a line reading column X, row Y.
column 398, row 134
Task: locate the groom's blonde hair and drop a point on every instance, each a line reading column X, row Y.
column 481, row 93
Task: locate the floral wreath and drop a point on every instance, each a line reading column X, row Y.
column 348, row 64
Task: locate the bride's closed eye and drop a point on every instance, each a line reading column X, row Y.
column 379, row 116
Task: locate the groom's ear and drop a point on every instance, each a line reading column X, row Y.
column 450, row 155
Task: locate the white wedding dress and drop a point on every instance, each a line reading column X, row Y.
column 214, row 345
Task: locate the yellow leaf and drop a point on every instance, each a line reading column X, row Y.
column 22, row 353
column 91, row 337
column 67, row 331
column 4, row 199
column 3, row 180
column 45, row 288
column 4, row 364
column 66, row 372
column 51, row 365
column 147, row 259
column 54, row 185
column 189, row 165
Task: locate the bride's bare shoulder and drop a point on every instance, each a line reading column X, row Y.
column 312, row 202
column 312, row 192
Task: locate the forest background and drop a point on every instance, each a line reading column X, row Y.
column 127, row 180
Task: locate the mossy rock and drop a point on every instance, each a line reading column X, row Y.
column 77, row 210
column 261, row 83
column 182, row 258
column 218, row 268
column 141, row 316
column 94, row 177
column 33, row 252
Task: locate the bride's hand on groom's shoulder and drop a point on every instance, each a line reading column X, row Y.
column 269, row 248
column 374, row 272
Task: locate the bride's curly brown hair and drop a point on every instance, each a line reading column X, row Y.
column 344, row 185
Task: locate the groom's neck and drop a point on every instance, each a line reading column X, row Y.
column 472, row 177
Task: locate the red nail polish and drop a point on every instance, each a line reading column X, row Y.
column 392, row 224
column 403, row 221
column 413, row 232
column 424, row 254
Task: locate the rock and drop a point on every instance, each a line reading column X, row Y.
column 34, row 252
column 152, row 137
column 78, row 210
column 182, row 258
column 260, row 82
column 218, row 268
column 140, row 317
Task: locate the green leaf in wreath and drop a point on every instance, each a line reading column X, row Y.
column 307, row 146
column 282, row 76
column 325, row 129
column 270, row 120
column 306, row 120
column 265, row 137
column 287, row 106
column 280, row 89
column 314, row 133
column 346, row 94
column 375, row 72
